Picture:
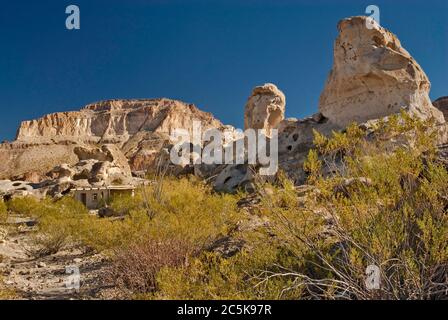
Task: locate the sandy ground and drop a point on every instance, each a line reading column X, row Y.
column 50, row 277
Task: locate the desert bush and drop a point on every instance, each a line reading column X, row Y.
column 59, row 222
column 135, row 267
column 164, row 230
column 3, row 211
column 186, row 210
column 189, row 210
column 6, row 293
column 28, row 206
column 211, row 276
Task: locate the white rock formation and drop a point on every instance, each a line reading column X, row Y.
column 140, row 128
column 114, row 121
column 265, row 108
column 373, row 76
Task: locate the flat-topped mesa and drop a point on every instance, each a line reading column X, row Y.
column 373, row 76
column 115, row 121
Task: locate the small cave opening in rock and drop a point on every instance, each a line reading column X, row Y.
column 295, row 136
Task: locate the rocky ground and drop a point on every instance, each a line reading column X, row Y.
column 36, row 278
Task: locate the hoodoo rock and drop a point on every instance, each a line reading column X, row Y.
column 373, row 76
column 265, row 108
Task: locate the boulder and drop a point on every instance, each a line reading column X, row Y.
column 11, row 189
column 233, row 177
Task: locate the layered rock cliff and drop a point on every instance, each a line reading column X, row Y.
column 139, row 128
column 114, row 121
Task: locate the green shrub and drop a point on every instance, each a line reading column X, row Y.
column 3, row 211
column 28, row 206
column 186, row 210
column 59, row 222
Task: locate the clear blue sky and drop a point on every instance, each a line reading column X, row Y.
column 210, row 53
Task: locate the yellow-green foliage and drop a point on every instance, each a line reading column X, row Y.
column 58, row 222
column 186, row 209
column 6, row 293
column 28, row 206
column 211, row 276
column 3, row 211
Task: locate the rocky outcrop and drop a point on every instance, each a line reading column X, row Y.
column 9, row 189
column 265, row 108
column 373, row 76
column 97, row 166
column 32, row 160
column 442, row 105
column 233, row 177
column 139, row 128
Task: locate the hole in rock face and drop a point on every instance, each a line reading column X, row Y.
column 289, row 148
column 295, row 136
column 16, row 184
column 227, row 180
column 378, row 41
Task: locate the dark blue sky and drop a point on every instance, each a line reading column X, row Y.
column 210, row 53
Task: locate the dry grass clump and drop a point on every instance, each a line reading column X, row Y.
column 135, row 268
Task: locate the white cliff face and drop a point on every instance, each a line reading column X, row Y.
column 373, row 76
column 139, row 128
column 115, row 121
